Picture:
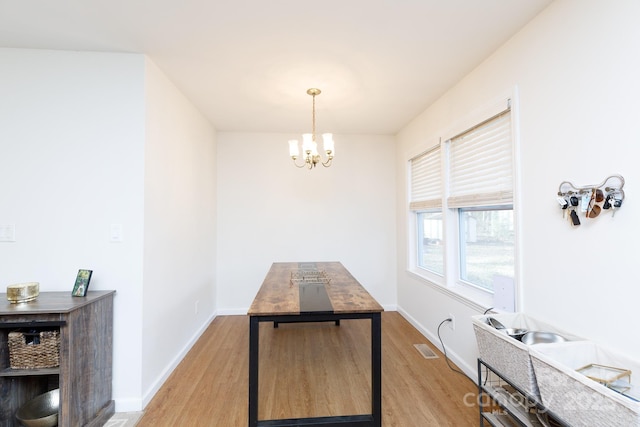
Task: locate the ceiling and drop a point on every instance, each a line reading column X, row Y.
column 247, row 64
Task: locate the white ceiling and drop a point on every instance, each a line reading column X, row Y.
column 246, row 64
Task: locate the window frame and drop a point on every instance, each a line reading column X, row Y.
column 451, row 283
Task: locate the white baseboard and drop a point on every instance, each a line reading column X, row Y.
column 233, row 311
column 128, row 405
column 148, row 395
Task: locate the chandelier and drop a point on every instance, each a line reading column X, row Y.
column 310, row 153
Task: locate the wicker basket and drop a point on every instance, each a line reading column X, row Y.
column 576, row 398
column 34, row 350
column 507, row 355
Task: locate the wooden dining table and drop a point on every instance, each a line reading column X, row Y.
column 314, row 292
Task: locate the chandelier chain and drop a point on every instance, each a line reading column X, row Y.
column 313, row 119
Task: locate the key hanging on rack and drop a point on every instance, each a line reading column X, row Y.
column 591, row 200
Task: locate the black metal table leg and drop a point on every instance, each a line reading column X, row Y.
column 376, row 369
column 254, row 332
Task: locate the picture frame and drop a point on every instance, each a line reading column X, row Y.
column 82, row 283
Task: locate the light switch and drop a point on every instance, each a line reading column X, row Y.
column 115, row 233
column 7, row 232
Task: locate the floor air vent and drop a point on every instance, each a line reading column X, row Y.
column 425, row 351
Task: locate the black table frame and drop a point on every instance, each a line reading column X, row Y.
column 367, row 420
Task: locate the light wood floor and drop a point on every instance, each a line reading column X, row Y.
column 314, row 369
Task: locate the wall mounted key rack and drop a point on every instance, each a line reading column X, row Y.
column 590, row 200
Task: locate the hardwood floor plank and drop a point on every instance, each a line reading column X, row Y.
column 316, row 362
column 312, row 369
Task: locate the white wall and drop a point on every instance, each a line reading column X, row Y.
column 94, row 139
column 72, row 141
column 270, row 211
column 180, row 238
column 576, row 68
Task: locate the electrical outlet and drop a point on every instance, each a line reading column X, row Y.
column 197, row 303
column 452, row 322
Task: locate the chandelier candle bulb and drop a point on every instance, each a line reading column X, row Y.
column 327, row 139
column 307, row 143
column 293, row 148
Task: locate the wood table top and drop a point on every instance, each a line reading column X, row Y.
column 279, row 296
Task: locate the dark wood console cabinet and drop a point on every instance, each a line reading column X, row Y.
column 86, row 353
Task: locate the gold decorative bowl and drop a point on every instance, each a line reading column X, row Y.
column 23, row 292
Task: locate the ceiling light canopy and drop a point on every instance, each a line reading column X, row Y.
column 310, row 153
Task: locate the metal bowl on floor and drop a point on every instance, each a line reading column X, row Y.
column 41, row 411
column 541, row 337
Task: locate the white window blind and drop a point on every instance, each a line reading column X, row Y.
column 480, row 164
column 426, row 181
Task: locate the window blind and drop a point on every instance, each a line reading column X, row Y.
column 426, row 181
column 480, row 164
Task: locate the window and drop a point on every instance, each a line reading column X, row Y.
column 486, row 245
column 461, row 199
column 481, row 191
column 426, row 202
column 430, row 248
